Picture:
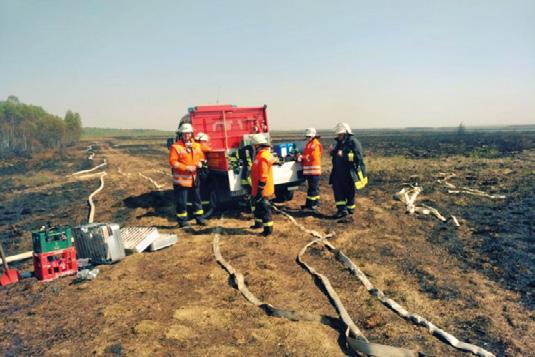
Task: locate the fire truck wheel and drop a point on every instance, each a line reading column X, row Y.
column 282, row 194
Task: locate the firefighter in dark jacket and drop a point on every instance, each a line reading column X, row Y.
column 262, row 186
column 246, row 156
column 204, row 141
column 348, row 172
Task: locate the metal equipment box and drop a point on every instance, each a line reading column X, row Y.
column 101, row 242
column 51, row 239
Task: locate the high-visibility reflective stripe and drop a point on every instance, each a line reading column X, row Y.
column 268, row 224
column 183, row 183
column 351, row 156
column 184, row 214
column 253, row 208
column 311, row 172
column 189, row 204
column 181, row 176
column 351, row 206
column 205, row 202
column 341, row 203
column 258, row 220
column 311, row 167
column 313, row 198
column 198, row 212
column 181, row 180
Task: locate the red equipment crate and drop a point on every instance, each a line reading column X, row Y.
column 51, row 265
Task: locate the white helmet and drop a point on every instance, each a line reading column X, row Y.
column 259, row 139
column 342, row 128
column 185, row 128
column 309, row 132
column 202, row 137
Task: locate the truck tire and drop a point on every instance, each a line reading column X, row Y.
column 283, row 194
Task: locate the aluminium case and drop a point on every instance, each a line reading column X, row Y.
column 101, row 242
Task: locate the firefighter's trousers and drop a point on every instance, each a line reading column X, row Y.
column 262, row 213
column 185, row 196
column 313, row 191
column 344, row 192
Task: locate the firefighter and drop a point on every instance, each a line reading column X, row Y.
column 204, row 140
column 262, row 187
column 311, row 159
column 348, row 172
column 186, row 158
column 245, row 157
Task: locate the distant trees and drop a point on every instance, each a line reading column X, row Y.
column 26, row 128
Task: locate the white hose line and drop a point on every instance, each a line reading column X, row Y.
column 90, row 199
column 358, row 344
column 239, row 281
column 156, row 184
column 416, row 319
column 474, row 192
column 29, row 254
column 452, row 189
column 408, row 196
column 358, row 341
column 90, row 170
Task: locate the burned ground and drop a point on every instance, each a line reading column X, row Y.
column 475, row 281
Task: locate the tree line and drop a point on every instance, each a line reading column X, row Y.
column 26, row 128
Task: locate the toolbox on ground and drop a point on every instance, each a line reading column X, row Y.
column 101, row 242
column 51, row 265
column 51, row 239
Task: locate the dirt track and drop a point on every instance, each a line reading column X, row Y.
column 475, row 282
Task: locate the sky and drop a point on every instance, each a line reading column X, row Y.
column 373, row 64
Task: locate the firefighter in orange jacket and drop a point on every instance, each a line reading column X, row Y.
column 311, row 159
column 186, row 158
column 262, row 187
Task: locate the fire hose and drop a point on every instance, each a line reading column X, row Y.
column 356, row 340
column 377, row 293
column 90, row 199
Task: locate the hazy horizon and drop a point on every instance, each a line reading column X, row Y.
column 127, row 64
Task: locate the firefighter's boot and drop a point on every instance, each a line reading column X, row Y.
column 257, row 224
column 268, row 230
column 201, row 221
column 341, row 213
column 184, row 224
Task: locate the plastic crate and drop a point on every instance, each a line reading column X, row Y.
column 50, row 266
column 52, row 239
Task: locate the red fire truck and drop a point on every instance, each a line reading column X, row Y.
column 229, row 128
